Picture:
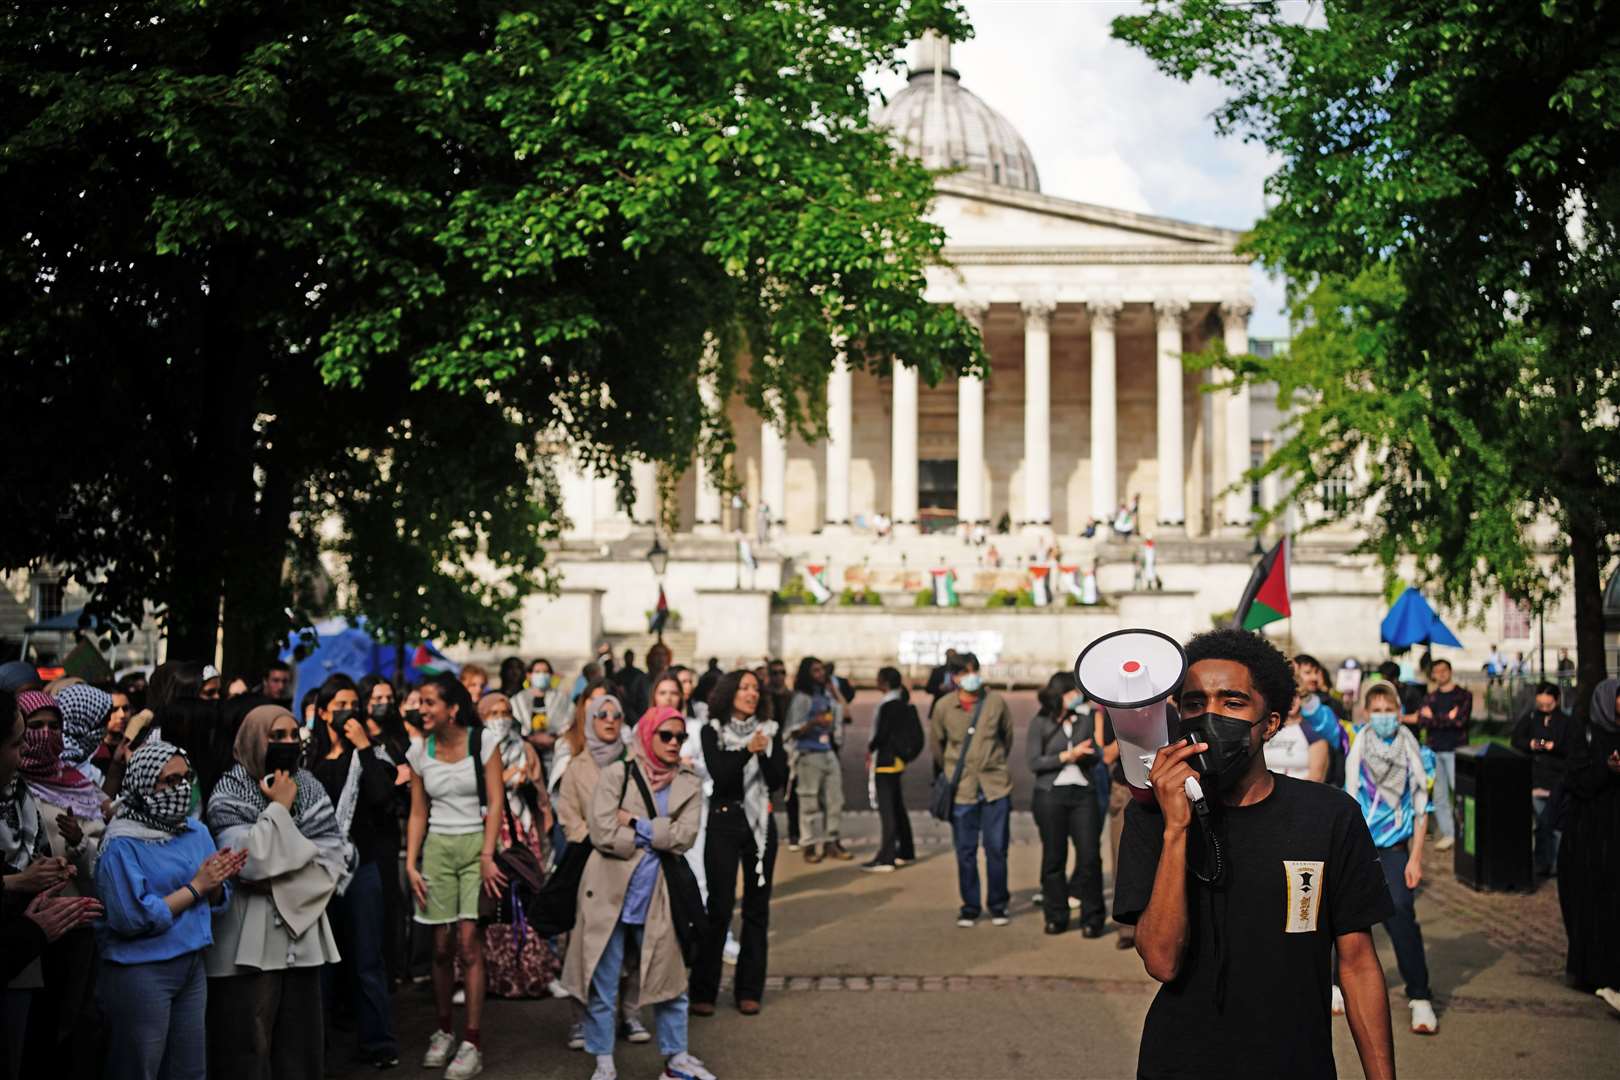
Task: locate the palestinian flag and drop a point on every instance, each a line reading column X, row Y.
column 944, row 587
column 428, row 660
column 1041, row 585
column 660, row 614
column 1267, row 599
column 815, row 576
column 1069, row 582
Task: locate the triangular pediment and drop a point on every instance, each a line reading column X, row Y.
column 980, row 216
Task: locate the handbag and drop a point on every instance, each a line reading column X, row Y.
column 524, row 876
column 686, row 908
column 942, row 800
column 555, row 909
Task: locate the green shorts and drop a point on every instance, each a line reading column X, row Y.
column 450, row 866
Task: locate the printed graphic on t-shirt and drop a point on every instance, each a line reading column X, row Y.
column 1305, row 887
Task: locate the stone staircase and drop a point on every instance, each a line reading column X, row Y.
column 682, row 645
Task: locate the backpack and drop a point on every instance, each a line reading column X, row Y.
column 908, row 736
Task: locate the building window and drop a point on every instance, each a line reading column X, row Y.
column 48, row 597
column 1515, row 620
column 1334, row 492
column 1257, row 458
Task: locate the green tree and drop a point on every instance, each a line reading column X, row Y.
column 1445, row 216
column 292, row 278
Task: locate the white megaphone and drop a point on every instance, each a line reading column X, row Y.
column 1132, row 674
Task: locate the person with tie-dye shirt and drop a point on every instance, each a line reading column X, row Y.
column 1384, row 771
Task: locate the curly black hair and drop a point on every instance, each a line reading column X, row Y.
column 1269, row 669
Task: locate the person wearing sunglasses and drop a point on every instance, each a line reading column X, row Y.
column 642, row 808
column 160, row 877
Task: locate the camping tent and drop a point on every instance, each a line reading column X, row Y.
column 338, row 647
column 1413, row 622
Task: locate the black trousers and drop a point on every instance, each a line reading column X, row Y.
column 729, row 850
column 1070, row 815
column 793, row 813
column 897, row 843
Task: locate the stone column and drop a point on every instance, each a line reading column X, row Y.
column 903, row 450
column 971, row 504
column 1038, row 411
column 840, row 431
column 1104, row 411
column 644, row 479
column 1172, row 467
column 707, row 510
column 1235, row 332
column 772, row 464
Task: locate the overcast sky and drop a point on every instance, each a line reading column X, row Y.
column 1105, row 127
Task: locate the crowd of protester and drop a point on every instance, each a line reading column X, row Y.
column 203, row 878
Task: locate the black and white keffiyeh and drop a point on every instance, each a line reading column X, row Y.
column 237, row 802
column 144, row 812
column 22, row 840
column 735, row 734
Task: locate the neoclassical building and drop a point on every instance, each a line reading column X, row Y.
column 1085, row 311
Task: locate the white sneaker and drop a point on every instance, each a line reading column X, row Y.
column 999, row 920
column 635, row 1031
column 1338, row 1001
column 576, row 1036
column 459, row 997
column 1445, row 843
column 555, row 989
column 1610, row 995
column 439, row 1049
column 1424, row 1022
column 966, row 923
column 732, row 950
column 1038, row 899
column 605, row 1069
column 683, row 1066
column 468, row 1063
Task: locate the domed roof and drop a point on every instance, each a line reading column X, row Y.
column 939, row 121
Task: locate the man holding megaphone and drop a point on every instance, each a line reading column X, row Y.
column 1240, row 882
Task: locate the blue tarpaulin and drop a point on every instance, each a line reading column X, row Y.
column 338, row 647
column 1413, row 622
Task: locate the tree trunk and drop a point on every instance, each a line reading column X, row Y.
column 1587, row 554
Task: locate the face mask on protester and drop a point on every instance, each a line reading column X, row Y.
column 341, row 717
column 971, row 682
column 379, row 711
column 1229, row 751
column 498, row 727
column 540, row 680
column 1078, row 706
column 1385, row 724
column 413, row 717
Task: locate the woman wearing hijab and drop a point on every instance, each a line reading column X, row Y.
column 624, row 901
column 27, row 870
column 517, row 963
column 1588, row 887
column 264, row 1001
column 745, row 760
column 160, row 877
column 450, row 857
column 600, row 735
column 358, row 778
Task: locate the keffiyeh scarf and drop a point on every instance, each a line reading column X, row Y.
column 735, row 734
column 47, row 777
column 22, row 840
column 146, row 813
column 84, row 721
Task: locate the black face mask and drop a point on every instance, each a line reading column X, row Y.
column 341, row 717
column 1229, row 751
column 379, row 711
column 413, row 717
column 282, row 757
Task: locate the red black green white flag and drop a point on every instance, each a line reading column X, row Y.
column 1267, row 598
column 660, row 614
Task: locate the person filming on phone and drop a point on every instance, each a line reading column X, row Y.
column 1239, row 902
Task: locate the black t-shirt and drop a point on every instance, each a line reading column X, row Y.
column 1301, row 869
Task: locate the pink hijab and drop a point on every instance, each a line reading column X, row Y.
column 658, row 774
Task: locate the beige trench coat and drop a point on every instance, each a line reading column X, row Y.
column 573, row 801
column 607, row 876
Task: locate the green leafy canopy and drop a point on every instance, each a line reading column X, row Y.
column 325, row 280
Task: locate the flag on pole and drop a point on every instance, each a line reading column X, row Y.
column 1041, row 585
column 660, row 614
column 428, row 660
column 944, row 587
column 815, row 576
column 1267, row 598
column 746, row 554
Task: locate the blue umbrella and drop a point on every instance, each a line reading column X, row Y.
column 1412, row 621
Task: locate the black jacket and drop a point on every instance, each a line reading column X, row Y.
column 726, row 766
column 890, row 715
column 1546, row 766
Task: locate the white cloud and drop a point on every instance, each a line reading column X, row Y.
column 1106, row 127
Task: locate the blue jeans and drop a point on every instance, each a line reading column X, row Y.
column 1445, row 784
column 601, row 1011
column 155, row 1018
column 1547, row 837
column 362, row 932
column 993, row 820
column 1403, row 929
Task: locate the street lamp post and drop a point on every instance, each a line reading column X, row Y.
column 658, row 558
